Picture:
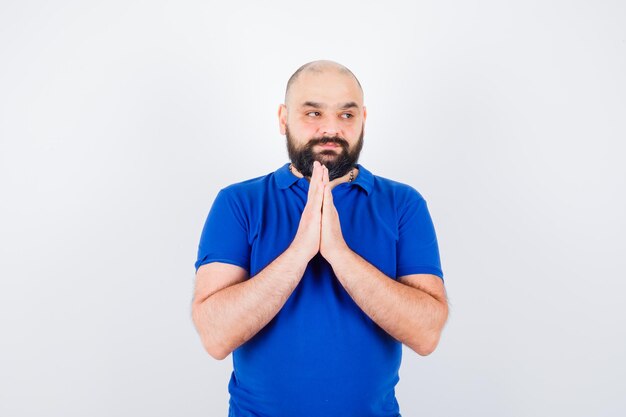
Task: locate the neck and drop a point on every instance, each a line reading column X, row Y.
column 333, row 183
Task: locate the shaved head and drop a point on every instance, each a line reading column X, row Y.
column 318, row 67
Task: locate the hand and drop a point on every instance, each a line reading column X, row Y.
column 332, row 241
column 307, row 240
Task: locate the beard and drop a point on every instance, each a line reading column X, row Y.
column 338, row 164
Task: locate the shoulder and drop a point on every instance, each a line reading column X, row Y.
column 248, row 189
column 243, row 187
column 239, row 199
column 401, row 194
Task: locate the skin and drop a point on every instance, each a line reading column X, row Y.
column 228, row 309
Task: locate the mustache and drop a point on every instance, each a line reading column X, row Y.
column 324, row 140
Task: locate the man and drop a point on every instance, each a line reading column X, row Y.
column 315, row 274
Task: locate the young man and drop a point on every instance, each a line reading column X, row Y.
column 315, row 274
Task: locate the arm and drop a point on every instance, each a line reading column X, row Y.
column 228, row 309
column 228, row 317
column 413, row 311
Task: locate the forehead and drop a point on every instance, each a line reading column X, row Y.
column 331, row 88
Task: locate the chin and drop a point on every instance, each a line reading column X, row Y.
column 328, row 154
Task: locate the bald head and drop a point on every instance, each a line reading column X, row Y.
column 318, row 67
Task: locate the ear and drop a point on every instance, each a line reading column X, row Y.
column 364, row 113
column 282, row 118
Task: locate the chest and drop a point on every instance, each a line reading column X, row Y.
column 369, row 227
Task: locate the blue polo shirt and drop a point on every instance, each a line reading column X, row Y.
column 321, row 355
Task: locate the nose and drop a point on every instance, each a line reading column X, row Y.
column 330, row 127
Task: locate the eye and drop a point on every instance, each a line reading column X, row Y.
column 315, row 113
column 347, row 115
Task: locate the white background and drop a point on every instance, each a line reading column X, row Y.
column 120, row 121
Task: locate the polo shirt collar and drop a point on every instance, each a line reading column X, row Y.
column 286, row 179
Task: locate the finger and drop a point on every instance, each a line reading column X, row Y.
column 323, row 184
column 323, row 180
column 317, row 183
column 328, row 195
column 313, row 184
column 317, row 179
column 320, row 174
column 326, row 204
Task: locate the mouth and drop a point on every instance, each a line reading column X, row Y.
column 328, row 145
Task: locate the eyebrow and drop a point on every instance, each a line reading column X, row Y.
column 316, row 105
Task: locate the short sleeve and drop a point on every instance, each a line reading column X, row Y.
column 224, row 235
column 417, row 249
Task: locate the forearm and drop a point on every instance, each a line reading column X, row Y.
column 233, row 315
column 410, row 315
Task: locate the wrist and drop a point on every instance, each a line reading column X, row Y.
column 299, row 253
column 338, row 255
